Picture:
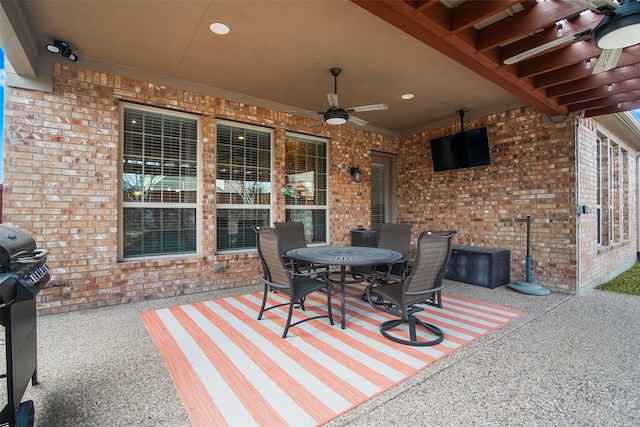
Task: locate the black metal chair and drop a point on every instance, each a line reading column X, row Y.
column 396, row 237
column 402, row 296
column 279, row 278
column 292, row 237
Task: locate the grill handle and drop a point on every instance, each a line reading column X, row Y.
column 35, row 258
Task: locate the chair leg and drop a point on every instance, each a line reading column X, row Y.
column 264, row 301
column 329, row 312
column 412, row 321
column 289, row 316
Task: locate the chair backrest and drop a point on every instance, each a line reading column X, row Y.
column 291, row 235
column 260, row 230
column 434, row 250
column 396, row 237
column 269, row 244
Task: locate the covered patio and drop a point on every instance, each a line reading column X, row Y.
column 143, row 161
column 532, row 371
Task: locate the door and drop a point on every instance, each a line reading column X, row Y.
column 382, row 185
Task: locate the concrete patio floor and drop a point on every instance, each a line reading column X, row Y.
column 570, row 360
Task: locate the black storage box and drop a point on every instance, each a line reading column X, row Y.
column 486, row 267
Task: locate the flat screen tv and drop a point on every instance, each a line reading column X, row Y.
column 461, row 150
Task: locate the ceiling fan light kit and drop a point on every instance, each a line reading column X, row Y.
column 619, row 30
column 336, row 117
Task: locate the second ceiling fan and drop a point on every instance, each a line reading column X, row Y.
column 619, row 28
column 339, row 116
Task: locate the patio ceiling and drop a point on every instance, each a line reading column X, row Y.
column 482, row 34
column 448, row 53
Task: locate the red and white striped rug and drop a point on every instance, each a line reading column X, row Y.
column 231, row 369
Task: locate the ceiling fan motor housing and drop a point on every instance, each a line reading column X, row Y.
column 336, row 116
column 619, row 30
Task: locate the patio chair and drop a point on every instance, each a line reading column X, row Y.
column 291, row 236
column 402, row 296
column 279, row 278
column 396, row 237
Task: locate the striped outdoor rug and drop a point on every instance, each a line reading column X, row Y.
column 231, row 369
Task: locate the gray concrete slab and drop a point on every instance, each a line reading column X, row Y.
column 570, row 360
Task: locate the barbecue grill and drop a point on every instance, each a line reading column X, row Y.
column 23, row 273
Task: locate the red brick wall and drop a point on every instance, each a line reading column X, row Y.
column 599, row 263
column 532, row 172
column 62, row 183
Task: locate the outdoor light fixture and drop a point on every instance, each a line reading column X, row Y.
column 620, row 29
column 587, row 63
column 559, row 30
column 357, row 173
column 63, row 49
column 609, row 87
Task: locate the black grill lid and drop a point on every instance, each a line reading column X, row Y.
column 13, row 241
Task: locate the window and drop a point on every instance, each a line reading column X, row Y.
column 243, row 184
column 306, row 185
column 159, row 183
column 613, row 199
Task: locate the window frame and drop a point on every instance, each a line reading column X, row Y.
column 313, row 139
column 122, row 204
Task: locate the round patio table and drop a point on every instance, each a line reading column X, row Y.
column 344, row 256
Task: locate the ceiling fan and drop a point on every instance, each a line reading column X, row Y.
column 339, row 116
column 619, row 28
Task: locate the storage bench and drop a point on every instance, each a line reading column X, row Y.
column 488, row 267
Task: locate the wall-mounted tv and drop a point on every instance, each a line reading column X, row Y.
column 461, row 150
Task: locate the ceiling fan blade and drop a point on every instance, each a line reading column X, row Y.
column 372, row 107
column 333, row 100
column 304, row 111
column 543, row 47
column 601, row 6
column 607, row 60
column 318, row 123
column 357, row 121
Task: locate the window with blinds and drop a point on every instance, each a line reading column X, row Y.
column 382, row 173
column 159, row 183
column 306, row 185
column 243, row 184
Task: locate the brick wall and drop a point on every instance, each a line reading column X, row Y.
column 532, row 172
column 600, row 262
column 61, row 184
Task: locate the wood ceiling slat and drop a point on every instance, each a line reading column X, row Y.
column 437, row 13
column 561, row 75
column 599, row 92
column 627, row 106
column 422, row 5
column 470, row 13
column 572, row 54
column 577, row 25
column 604, row 102
column 577, row 71
column 523, row 23
column 595, row 80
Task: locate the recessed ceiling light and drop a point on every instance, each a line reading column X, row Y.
column 219, row 28
column 407, row 96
